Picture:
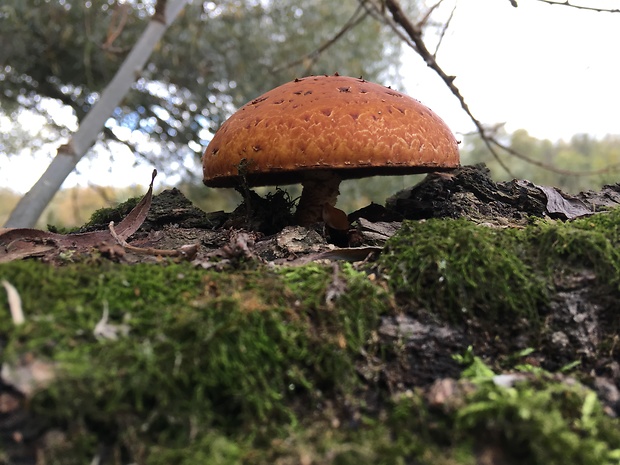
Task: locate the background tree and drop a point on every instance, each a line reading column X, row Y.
column 583, row 153
column 218, row 56
column 214, row 58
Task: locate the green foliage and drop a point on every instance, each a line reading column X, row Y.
column 581, row 153
column 475, row 368
column 535, row 418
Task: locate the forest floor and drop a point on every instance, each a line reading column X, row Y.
column 464, row 322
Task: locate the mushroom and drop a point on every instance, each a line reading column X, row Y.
column 320, row 130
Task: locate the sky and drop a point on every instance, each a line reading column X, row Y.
column 549, row 69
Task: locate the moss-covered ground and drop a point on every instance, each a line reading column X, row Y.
column 290, row 365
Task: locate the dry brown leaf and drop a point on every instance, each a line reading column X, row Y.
column 18, row 243
column 561, row 204
column 335, row 218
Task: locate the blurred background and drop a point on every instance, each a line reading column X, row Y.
column 539, row 80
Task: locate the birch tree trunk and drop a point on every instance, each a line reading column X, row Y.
column 31, row 205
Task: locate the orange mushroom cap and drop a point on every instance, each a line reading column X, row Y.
column 333, row 123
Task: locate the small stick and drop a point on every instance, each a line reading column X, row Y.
column 186, row 251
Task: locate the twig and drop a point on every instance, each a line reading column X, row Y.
column 122, row 242
column 315, row 54
column 443, row 31
column 377, row 12
column 425, row 19
column 187, row 251
column 415, row 34
column 117, row 24
column 580, row 7
column 417, row 43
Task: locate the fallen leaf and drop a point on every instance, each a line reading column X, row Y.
column 132, row 222
column 561, row 204
column 15, row 303
column 335, row 218
column 18, row 243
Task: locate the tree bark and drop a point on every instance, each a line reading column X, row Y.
column 31, row 205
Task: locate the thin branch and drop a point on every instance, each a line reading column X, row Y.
column 417, row 43
column 415, row 34
column 378, row 13
column 517, row 154
column 117, row 25
column 581, row 7
column 187, row 252
column 443, row 31
column 313, row 56
column 424, row 21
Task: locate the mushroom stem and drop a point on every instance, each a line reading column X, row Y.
column 318, row 189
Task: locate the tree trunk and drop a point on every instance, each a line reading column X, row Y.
column 31, row 205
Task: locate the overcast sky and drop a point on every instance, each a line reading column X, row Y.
column 549, row 69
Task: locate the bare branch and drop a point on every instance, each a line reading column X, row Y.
column 415, row 34
column 581, row 7
column 117, row 25
column 313, row 56
column 378, row 13
column 424, row 21
column 443, row 31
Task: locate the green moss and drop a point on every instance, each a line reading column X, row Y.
column 541, row 419
column 262, row 366
column 587, row 243
column 355, row 308
column 205, row 351
column 102, row 217
column 457, row 268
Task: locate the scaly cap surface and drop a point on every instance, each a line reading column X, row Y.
column 340, row 123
